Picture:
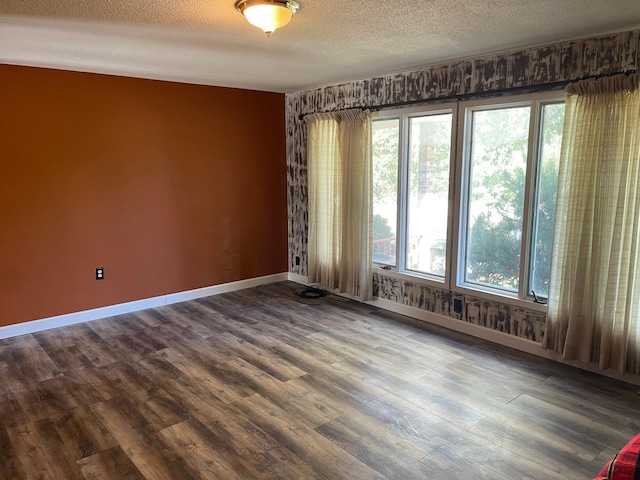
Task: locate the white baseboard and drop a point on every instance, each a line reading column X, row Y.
column 294, row 277
column 137, row 305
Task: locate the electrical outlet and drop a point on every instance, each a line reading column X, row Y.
column 297, row 260
column 457, row 305
column 99, row 273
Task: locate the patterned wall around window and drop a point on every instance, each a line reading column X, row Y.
column 534, row 66
column 485, row 313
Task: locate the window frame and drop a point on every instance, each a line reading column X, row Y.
column 392, row 116
column 535, row 179
column 404, row 115
column 535, row 102
column 464, row 181
column 461, row 112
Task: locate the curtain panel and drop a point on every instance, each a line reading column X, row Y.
column 340, row 201
column 594, row 292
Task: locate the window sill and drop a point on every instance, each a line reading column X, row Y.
column 506, row 299
column 462, row 290
column 410, row 276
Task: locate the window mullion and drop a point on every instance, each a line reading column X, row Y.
column 529, row 199
column 403, row 193
column 454, row 202
column 463, row 146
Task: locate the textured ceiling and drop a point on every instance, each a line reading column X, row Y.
column 327, row 41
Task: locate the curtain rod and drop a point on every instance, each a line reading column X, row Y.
column 540, row 87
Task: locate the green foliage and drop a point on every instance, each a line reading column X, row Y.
column 385, row 153
column 544, row 234
column 430, row 143
column 439, row 256
column 494, row 253
column 381, row 228
column 500, row 145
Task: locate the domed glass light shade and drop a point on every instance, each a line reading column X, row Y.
column 267, row 15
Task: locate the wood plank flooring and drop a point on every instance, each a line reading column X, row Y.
column 260, row 384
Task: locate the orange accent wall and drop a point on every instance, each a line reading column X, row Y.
column 168, row 186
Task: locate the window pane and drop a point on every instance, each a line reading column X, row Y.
column 498, row 160
column 428, row 193
column 385, row 190
column 546, row 187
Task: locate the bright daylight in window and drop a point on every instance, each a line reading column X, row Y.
column 385, row 134
column 412, row 158
column 506, row 190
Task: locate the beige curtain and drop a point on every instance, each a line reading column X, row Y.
column 595, row 267
column 340, row 201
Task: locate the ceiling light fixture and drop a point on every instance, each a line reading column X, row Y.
column 268, row 14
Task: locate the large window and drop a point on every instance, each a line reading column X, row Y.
column 496, row 169
column 428, row 193
column 504, row 191
column 552, row 120
column 385, row 134
column 412, row 156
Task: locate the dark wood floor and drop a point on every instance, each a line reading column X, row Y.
column 256, row 384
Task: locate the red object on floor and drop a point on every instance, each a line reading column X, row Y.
column 624, row 466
